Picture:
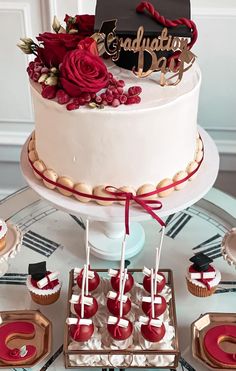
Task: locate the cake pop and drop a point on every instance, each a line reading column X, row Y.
column 113, row 303
column 159, row 305
column 90, row 305
column 81, row 329
column 152, row 329
column 120, row 328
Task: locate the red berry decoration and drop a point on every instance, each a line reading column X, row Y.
column 89, row 310
column 115, row 282
column 92, row 282
column 159, row 309
column 118, row 332
column 62, row 97
column 160, row 285
column 113, row 306
column 81, row 332
column 153, row 333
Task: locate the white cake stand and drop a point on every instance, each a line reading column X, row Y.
column 107, row 222
column 13, row 245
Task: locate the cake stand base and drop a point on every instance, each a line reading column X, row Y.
column 106, row 240
column 106, row 236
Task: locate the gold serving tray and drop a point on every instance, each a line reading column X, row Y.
column 42, row 340
column 198, row 330
column 138, row 276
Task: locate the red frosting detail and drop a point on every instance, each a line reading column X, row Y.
column 89, row 310
column 160, row 285
column 92, row 282
column 115, row 282
column 18, row 330
column 159, row 309
column 145, row 5
column 152, row 333
column 214, row 337
column 49, row 286
column 81, row 332
column 113, row 306
column 120, row 333
column 205, row 281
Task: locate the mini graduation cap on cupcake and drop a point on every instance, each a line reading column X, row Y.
column 93, row 278
column 202, row 277
column 44, row 285
column 81, row 328
column 160, row 279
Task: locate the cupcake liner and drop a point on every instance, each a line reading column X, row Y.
column 45, row 299
column 2, row 243
column 200, row 291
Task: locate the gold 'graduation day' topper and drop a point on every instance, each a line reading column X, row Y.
column 179, row 62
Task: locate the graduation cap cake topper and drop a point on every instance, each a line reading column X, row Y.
column 149, row 41
column 37, row 270
column 201, row 262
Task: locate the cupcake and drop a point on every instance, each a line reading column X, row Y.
column 202, row 278
column 3, row 234
column 44, row 286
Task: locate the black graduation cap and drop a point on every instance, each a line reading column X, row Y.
column 201, row 262
column 37, row 270
column 129, row 21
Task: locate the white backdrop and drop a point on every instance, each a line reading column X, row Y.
column 216, row 22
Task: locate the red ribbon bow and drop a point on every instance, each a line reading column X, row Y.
column 140, row 200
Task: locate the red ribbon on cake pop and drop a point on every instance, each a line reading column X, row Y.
column 119, row 195
column 146, row 5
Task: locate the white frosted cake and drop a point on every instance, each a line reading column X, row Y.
column 127, row 146
column 138, row 148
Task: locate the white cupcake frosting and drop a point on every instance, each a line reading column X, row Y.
column 214, row 282
column 42, row 292
column 3, row 228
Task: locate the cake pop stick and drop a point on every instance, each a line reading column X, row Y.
column 87, row 249
column 82, row 293
column 152, row 295
column 158, row 257
column 122, row 263
column 122, row 293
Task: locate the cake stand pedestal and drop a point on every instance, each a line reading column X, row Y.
column 13, row 245
column 107, row 222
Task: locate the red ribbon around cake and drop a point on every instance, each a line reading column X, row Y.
column 117, row 195
column 146, row 5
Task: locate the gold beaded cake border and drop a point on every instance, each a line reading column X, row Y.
column 100, row 190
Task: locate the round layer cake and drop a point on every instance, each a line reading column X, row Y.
column 131, row 145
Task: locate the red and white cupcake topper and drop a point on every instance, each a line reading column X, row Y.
column 46, row 280
column 158, row 257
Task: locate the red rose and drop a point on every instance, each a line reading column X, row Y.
column 88, row 44
column 83, row 23
column 55, row 46
column 81, row 71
